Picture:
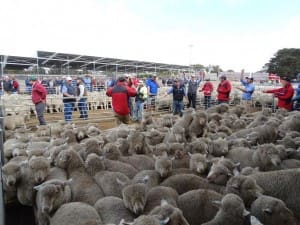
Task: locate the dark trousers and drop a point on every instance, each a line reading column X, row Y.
column 192, row 100
column 207, row 101
column 40, row 109
column 178, row 107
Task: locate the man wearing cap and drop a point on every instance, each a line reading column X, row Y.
column 284, row 94
column 179, row 92
column 38, row 96
column 69, row 98
column 296, row 106
column 192, row 91
column 248, row 90
column 140, row 98
column 224, row 89
column 152, row 87
column 120, row 94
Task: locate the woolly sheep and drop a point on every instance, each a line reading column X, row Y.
column 272, row 211
column 83, row 186
column 112, row 210
column 281, row 184
column 49, row 197
column 134, row 197
column 198, row 126
column 197, row 207
column 198, row 163
column 245, row 187
column 78, row 213
column 232, row 211
column 163, row 165
column 150, row 178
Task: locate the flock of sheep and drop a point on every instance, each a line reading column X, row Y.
column 219, row 166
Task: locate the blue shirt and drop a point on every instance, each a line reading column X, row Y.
column 249, row 88
column 153, row 86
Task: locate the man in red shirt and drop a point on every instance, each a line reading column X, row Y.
column 207, row 90
column 223, row 90
column 120, row 94
column 38, row 96
column 284, row 94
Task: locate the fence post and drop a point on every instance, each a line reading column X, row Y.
column 2, row 206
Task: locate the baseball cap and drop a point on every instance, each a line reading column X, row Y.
column 68, row 78
column 32, row 78
column 285, row 78
column 249, row 78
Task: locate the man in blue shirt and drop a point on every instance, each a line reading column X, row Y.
column 152, row 87
column 247, row 90
column 296, row 98
column 179, row 92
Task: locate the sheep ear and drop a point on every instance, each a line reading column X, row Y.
column 120, row 182
column 37, row 187
column 68, row 182
column 163, row 202
column 236, row 172
column 190, row 154
column 165, row 221
column 267, row 210
column 254, row 221
column 217, row 203
column 146, row 178
column 246, row 213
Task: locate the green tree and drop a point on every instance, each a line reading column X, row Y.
column 286, row 62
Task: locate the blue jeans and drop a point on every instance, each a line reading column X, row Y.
column 139, row 111
column 82, row 106
column 178, row 107
column 40, row 109
column 68, row 111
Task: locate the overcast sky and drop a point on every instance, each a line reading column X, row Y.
column 234, row 34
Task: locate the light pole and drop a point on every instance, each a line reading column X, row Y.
column 190, row 58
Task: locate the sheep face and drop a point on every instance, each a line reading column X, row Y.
column 163, row 166
column 40, row 167
column 134, row 197
column 218, row 174
column 11, row 174
column 198, row 163
column 111, row 151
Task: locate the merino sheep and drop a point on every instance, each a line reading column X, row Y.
column 187, row 182
column 134, row 197
column 112, row 210
column 169, row 213
column 50, row 196
column 198, row 126
column 245, row 187
column 83, row 186
column 159, row 193
column 272, row 211
column 232, row 211
column 198, row 163
column 163, row 165
column 150, row 178
column 78, row 213
column 281, row 184
column 197, row 206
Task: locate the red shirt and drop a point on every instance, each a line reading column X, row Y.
column 38, row 92
column 120, row 94
column 223, row 90
column 207, row 88
column 284, row 95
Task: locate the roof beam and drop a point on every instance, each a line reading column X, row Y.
column 72, row 60
column 51, row 57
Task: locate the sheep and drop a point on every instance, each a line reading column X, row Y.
column 159, row 193
column 49, row 197
column 266, row 157
column 197, row 146
column 245, row 187
column 180, row 160
column 111, row 183
column 83, row 186
column 91, row 145
column 33, row 172
column 112, row 210
column 147, row 220
column 136, row 142
column 266, row 133
column 198, row 163
column 197, row 207
column 281, row 184
column 167, row 212
column 219, row 174
column 140, row 162
column 163, row 165
column 248, row 170
column 218, row 147
column 272, row 211
column 186, row 182
column 14, row 121
column 198, row 126
column 134, row 197
column 150, row 178
column 175, row 134
column 78, row 213
column 232, row 211
column 117, row 166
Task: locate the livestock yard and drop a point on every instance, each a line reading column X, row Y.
column 223, row 165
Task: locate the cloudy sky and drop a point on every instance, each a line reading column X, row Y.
column 234, row 34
